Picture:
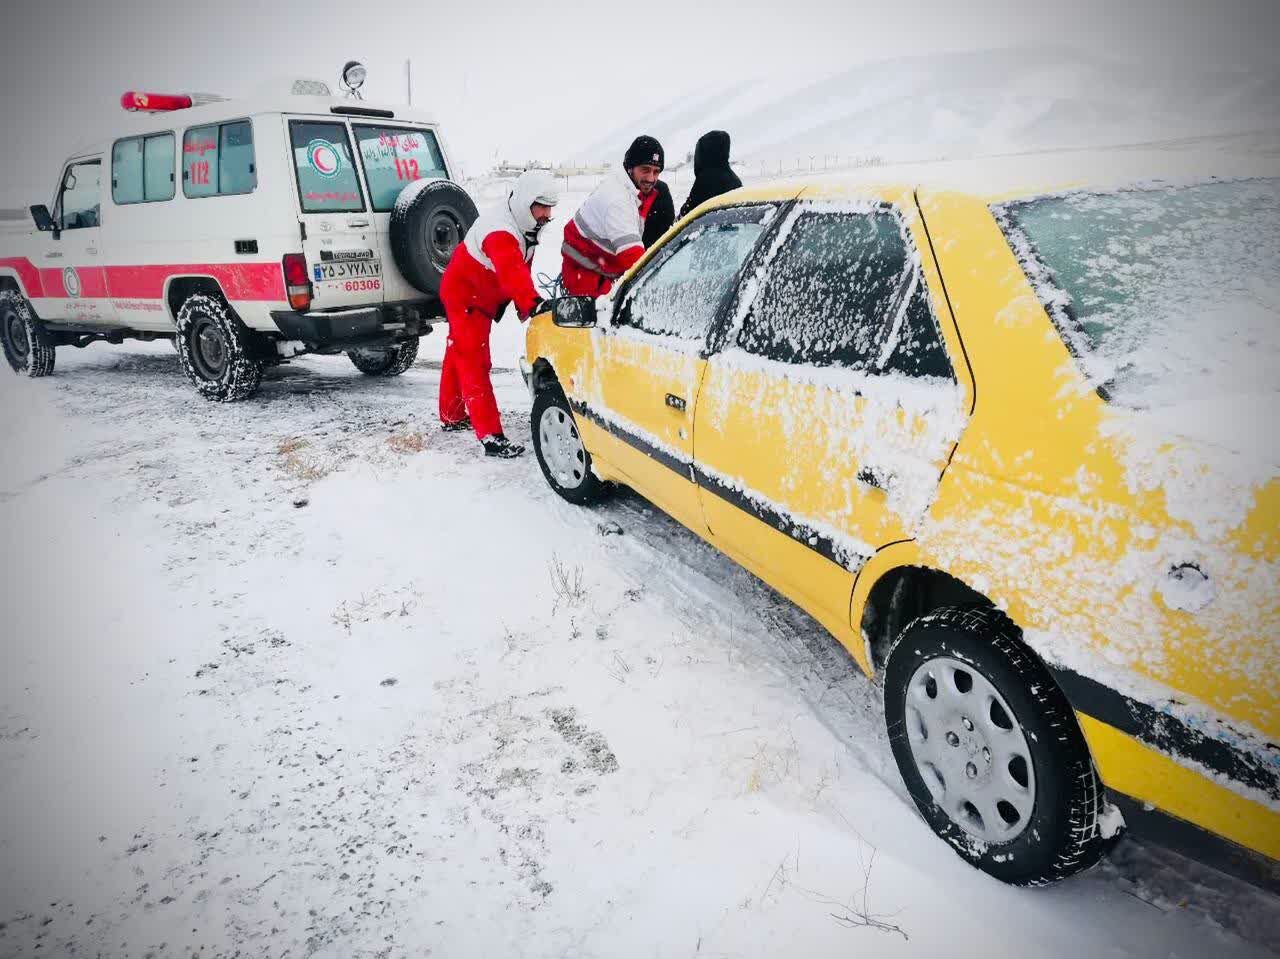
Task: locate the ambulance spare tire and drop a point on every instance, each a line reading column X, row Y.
column 429, row 220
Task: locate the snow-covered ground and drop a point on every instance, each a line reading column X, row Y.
column 305, row 676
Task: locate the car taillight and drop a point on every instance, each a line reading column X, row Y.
column 296, row 281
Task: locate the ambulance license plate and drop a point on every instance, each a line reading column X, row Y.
column 347, row 270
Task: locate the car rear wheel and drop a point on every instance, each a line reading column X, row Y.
column 385, row 362
column 564, row 459
column 215, row 350
column 989, row 748
column 28, row 346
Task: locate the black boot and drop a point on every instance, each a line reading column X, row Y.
column 457, row 426
column 499, row 445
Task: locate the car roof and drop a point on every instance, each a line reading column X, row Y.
column 1007, row 178
column 218, row 111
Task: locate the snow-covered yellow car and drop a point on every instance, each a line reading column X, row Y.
column 1016, row 454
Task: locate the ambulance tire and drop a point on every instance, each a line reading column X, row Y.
column 28, row 346
column 391, row 362
column 428, row 221
column 215, row 351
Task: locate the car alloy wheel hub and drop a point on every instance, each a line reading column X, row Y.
column 562, row 447
column 16, row 332
column 209, row 349
column 970, row 750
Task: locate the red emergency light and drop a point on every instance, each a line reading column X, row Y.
column 154, row 102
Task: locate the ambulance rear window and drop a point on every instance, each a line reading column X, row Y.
column 218, row 160
column 327, row 178
column 394, row 157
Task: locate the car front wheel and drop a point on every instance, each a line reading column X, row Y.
column 989, row 748
column 564, row 459
column 28, row 346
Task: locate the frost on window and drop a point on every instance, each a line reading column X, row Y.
column 1164, row 294
column 830, row 297
column 919, row 351
column 681, row 294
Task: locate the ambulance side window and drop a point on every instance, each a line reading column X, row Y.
column 218, row 160
column 126, row 171
column 80, row 196
column 142, row 169
column 322, row 162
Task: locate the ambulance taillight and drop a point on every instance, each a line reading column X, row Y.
column 154, row 102
column 297, row 282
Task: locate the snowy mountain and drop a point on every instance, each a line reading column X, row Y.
column 964, row 103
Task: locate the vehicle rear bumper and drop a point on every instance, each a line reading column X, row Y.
column 343, row 329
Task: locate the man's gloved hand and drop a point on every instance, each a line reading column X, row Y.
column 542, row 306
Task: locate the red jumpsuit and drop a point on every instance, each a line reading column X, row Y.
column 474, row 295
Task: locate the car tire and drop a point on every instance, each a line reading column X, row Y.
column 989, row 749
column 215, row 350
column 428, row 221
column 564, row 459
column 388, row 362
column 28, row 346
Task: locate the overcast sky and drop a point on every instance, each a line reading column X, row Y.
column 540, row 77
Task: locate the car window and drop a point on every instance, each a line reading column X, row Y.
column 830, row 296
column 237, row 171
column 158, row 156
column 918, row 349
column 200, row 162
column 1164, row 294
column 217, row 160
column 80, row 196
column 126, row 171
column 680, row 293
column 395, row 156
column 327, row 179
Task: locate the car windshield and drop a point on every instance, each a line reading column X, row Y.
column 1165, row 295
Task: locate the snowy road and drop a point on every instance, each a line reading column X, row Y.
column 434, row 710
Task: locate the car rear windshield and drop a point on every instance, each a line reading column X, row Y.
column 1164, row 294
column 394, row 157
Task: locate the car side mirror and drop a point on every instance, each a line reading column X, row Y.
column 574, row 311
column 40, row 213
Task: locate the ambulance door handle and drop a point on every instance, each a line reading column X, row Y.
column 93, row 250
column 357, row 223
column 676, row 402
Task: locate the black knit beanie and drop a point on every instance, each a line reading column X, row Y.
column 644, row 149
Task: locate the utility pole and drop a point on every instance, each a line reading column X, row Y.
column 408, row 81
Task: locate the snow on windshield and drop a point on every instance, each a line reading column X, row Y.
column 1164, row 294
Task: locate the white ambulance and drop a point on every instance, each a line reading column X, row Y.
column 248, row 231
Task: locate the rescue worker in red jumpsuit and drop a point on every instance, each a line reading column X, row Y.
column 489, row 269
column 606, row 236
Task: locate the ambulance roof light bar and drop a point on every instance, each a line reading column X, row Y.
column 136, row 101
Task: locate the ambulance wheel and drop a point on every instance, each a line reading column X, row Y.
column 989, row 748
column 28, row 346
column 564, row 459
column 428, row 221
column 214, row 350
column 390, row 362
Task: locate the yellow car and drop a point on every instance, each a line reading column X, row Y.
column 1016, row 454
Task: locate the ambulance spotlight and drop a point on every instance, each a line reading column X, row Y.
column 353, row 75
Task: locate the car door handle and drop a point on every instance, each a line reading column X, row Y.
column 357, row 223
column 676, row 402
column 53, row 256
column 93, row 251
column 875, row 478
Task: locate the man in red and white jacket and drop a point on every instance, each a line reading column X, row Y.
column 489, row 269
column 605, row 237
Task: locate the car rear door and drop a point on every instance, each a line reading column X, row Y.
column 340, row 241
column 393, row 156
column 825, row 422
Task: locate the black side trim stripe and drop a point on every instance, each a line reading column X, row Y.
column 1151, row 824
column 1170, row 735
column 820, row 543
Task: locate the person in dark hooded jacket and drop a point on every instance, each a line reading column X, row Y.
column 661, row 215
column 712, row 174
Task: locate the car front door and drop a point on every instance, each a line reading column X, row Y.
column 826, row 418
column 341, row 243
column 651, row 356
column 71, row 274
